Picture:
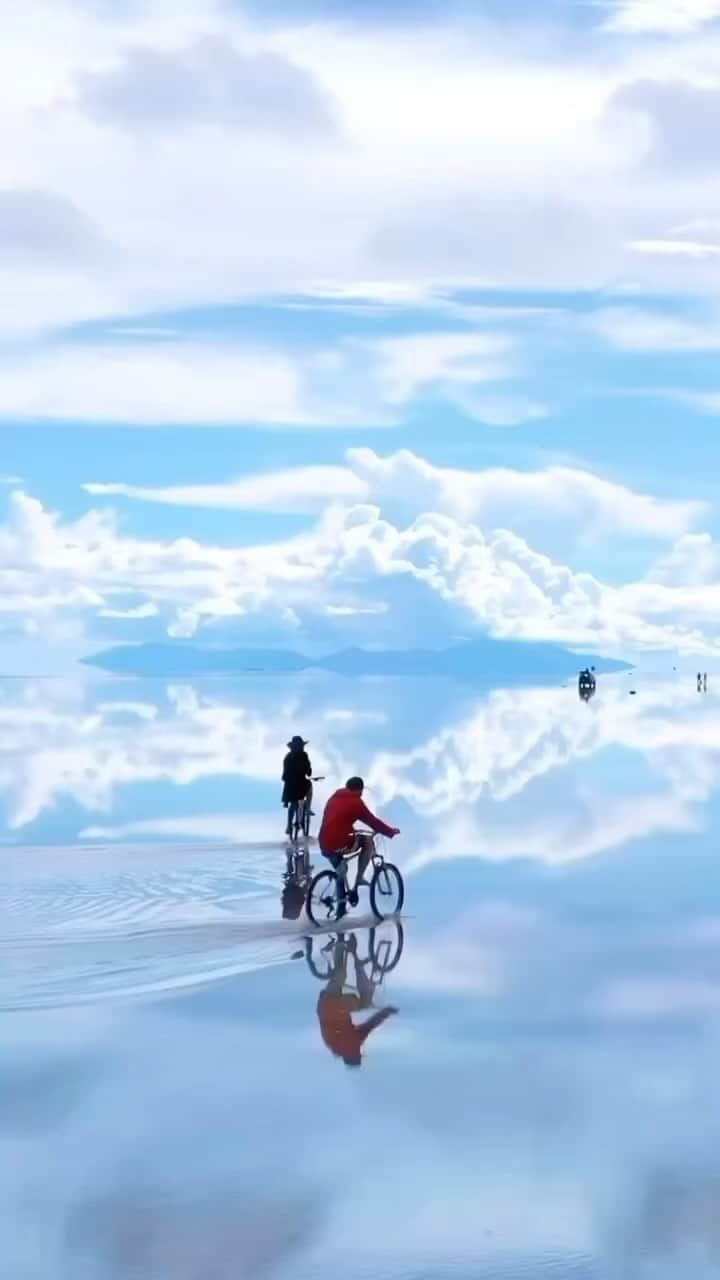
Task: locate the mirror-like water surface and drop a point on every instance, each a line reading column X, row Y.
column 517, row 1080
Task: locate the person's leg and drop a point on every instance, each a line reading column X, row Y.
column 339, row 866
column 367, row 847
column 365, row 988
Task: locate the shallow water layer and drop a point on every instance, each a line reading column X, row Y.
column 517, row 1080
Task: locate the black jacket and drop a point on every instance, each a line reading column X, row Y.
column 297, row 771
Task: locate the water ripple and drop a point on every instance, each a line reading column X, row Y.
column 78, row 926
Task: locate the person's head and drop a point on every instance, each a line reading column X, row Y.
column 297, row 743
column 355, row 784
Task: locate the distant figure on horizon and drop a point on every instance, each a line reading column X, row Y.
column 699, row 681
column 586, row 683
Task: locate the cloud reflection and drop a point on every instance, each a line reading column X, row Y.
column 513, row 773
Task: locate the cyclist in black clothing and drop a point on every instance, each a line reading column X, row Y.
column 297, row 772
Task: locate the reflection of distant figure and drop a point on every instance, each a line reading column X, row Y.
column 295, row 880
column 335, row 1007
column 587, row 683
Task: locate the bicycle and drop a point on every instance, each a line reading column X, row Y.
column 384, row 954
column 328, row 894
column 300, row 814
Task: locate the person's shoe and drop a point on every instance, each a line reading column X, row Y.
column 353, row 897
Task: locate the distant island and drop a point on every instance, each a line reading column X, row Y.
column 482, row 661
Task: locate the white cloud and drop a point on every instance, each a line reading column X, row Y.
column 408, row 364
column 442, row 173
column 666, row 16
column 319, row 586
column 506, row 775
column 302, row 489
column 697, row 249
column 169, row 383
column 41, row 227
column 187, row 382
column 210, row 81
column 548, row 506
column 645, row 329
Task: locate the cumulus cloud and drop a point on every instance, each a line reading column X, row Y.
column 320, row 586
column 208, row 82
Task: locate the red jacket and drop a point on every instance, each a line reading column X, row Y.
column 342, row 811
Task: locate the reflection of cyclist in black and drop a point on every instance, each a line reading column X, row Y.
column 335, row 1007
column 295, row 879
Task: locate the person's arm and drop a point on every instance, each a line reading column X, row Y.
column 376, row 1021
column 308, row 766
column 375, row 824
column 285, row 769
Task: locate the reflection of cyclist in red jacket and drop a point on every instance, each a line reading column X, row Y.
column 343, row 1037
column 337, row 834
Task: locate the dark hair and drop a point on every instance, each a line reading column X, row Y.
column 355, row 784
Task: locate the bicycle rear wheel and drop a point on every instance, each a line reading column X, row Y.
column 326, row 899
column 387, row 891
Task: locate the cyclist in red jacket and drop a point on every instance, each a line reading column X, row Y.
column 337, row 836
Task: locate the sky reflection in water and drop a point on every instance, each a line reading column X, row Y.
column 544, row 1102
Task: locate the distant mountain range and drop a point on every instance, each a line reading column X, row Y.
column 483, row 661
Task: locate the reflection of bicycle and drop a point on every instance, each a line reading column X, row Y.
column 295, row 882
column 385, row 947
column 300, row 814
column 339, row 1001
column 328, row 895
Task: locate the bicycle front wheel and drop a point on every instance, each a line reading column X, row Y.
column 386, row 947
column 326, row 899
column 387, row 891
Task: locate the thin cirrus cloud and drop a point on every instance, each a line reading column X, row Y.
column 565, row 502
column 653, row 329
column 194, row 381
column 671, row 17
column 300, row 489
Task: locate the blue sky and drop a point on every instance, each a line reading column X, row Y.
column 324, row 318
